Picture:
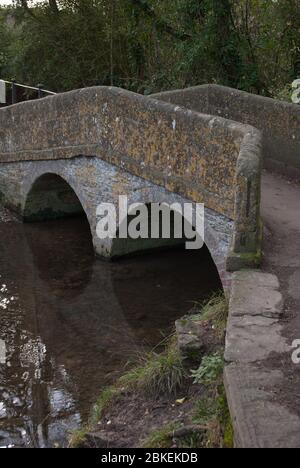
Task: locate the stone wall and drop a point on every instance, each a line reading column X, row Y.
column 279, row 121
column 203, row 158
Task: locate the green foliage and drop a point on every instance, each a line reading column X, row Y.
column 150, row 45
column 210, row 370
column 284, row 94
column 212, row 411
column 6, row 37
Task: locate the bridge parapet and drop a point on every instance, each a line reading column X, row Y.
column 202, row 158
column 279, row 121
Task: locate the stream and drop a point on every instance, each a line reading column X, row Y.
column 69, row 323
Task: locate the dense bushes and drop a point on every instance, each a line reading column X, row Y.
column 150, row 45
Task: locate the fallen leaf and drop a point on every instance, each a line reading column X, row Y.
column 180, row 401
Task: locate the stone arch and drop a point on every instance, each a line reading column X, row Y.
column 216, row 241
column 49, row 194
column 95, row 181
column 75, row 187
column 51, row 197
column 121, row 247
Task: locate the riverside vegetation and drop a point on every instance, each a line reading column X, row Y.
column 151, row 45
column 172, row 398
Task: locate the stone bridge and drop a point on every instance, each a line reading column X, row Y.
column 68, row 153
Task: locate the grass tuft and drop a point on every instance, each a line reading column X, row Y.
column 215, row 310
column 157, row 374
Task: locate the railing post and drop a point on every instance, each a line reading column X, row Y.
column 14, row 97
column 40, row 91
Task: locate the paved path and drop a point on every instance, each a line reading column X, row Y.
column 262, row 382
column 281, row 216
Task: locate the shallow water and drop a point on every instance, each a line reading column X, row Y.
column 69, row 323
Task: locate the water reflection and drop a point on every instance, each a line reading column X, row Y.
column 69, row 323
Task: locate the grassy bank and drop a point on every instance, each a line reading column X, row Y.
column 168, row 400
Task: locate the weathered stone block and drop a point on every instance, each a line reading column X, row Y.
column 253, row 330
column 259, row 419
column 191, row 339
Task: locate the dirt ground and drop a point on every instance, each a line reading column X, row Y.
column 129, row 421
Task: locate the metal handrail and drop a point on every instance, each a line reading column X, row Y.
column 29, row 87
column 41, row 91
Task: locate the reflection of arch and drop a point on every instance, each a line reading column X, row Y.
column 51, row 197
column 54, row 244
column 174, row 281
